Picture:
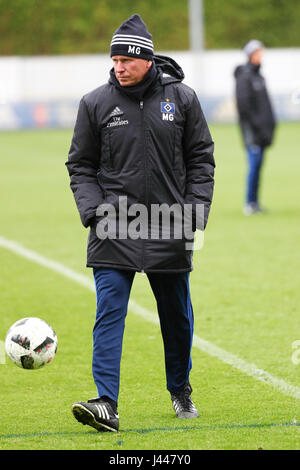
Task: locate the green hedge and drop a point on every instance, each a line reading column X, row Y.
column 32, row 27
column 233, row 22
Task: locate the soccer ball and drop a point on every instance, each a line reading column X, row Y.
column 31, row 343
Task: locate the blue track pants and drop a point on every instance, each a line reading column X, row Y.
column 175, row 312
column 255, row 159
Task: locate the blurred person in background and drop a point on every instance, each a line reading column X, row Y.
column 256, row 120
column 142, row 136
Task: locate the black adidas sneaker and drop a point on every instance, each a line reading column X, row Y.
column 182, row 403
column 98, row 413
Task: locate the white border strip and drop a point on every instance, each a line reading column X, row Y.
column 206, row 346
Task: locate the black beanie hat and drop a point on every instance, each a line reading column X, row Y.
column 132, row 39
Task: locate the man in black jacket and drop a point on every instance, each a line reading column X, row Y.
column 256, row 119
column 141, row 166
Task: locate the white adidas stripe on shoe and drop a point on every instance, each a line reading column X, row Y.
column 97, row 413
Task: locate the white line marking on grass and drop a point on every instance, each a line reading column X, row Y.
column 206, row 346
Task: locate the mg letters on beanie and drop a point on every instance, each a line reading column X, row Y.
column 132, row 39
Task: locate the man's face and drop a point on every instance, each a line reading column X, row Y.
column 130, row 70
column 257, row 56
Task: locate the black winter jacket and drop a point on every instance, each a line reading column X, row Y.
column 256, row 116
column 147, row 151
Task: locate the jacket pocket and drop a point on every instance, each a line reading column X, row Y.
column 178, row 160
column 105, row 159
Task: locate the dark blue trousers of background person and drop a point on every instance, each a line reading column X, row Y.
column 255, row 156
column 175, row 312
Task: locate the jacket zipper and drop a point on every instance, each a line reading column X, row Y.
column 145, row 172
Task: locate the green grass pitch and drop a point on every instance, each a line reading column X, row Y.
column 246, row 299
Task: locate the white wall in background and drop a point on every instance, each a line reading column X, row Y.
column 62, row 80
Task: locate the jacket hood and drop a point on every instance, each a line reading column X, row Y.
column 238, row 70
column 246, row 67
column 168, row 68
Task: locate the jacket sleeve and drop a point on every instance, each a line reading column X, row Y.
column 254, row 108
column 82, row 165
column 200, row 164
column 245, row 97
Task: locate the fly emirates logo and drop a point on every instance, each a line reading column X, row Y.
column 118, row 121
